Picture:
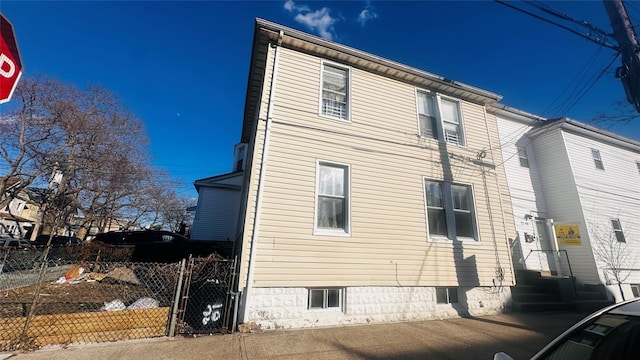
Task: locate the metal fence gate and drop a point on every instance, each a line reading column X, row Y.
column 64, row 300
column 207, row 302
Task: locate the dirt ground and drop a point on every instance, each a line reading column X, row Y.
column 68, row 297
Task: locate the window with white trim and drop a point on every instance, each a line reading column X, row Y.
column 522, row 155
column 332, row 198
column 447, row 295
column 617, row 230
column 240, row 157
column 325, row 298
column 335, row 91
column 635, row 289
column 450, row 210
column 597, row 160
column 439, row 118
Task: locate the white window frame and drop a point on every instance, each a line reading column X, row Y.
column 325, row 305
column 450, row 212
column 440, row 133
column 617, row 230
column 448, row 290
column 346, row 231
column 523, row 157
column 597, row 159
column 240, row 147
column 347, row 95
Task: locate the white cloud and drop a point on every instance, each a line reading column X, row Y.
column 366, row 14
column 291, row 6
column 319, row 21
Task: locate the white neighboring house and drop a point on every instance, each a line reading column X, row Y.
column 575, row 192
column 216, row 214
column 12, row 221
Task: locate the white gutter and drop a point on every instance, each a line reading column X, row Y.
column 263, row 168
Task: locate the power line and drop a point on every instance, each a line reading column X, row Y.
column 599, row 40
column 586, row 89
column 575, row 82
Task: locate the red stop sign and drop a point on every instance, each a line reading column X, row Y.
column 10, row 64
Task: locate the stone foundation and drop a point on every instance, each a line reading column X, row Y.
column 287, row 308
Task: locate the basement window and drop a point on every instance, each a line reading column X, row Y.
column 447, row 295
column 325, row 298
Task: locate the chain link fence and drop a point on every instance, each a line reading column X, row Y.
column 92, row 294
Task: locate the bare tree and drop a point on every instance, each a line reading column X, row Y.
column 30, row 134
column 94, row 146
column 611, row 250
column 622, row 112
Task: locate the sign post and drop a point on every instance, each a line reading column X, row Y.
column 10, row 63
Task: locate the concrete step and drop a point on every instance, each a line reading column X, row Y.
column 548, row 306
column 525, row 289
column 534, row 297
column 590, row 295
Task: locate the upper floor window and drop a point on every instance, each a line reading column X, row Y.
column 522, row 155
column 335, row 92
column 439, row 118
column 240, row 156
column 617, row 230
column 450, row 210
column 332, row 199
column 638, row 165
column 597, row 160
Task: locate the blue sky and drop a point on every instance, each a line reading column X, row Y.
column 182, row 67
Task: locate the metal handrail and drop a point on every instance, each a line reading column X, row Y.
column 566, row 255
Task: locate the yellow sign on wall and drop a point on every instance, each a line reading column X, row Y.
column 568, row 235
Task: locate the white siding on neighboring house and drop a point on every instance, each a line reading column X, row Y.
column 611, row 193
column 216, row 215
column 218, row 205
column 531, row 244
column 563, row 202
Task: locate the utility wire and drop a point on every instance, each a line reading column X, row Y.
column 585, row 90
column 575, row 82
column 564, row 16
column 599, row 42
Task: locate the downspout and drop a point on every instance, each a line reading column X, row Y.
column 500, row 270
column 263, row 168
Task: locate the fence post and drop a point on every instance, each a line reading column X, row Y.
column 32, row 309
column 174, row 313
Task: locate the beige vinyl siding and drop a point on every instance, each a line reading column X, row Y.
column 388, row 242
column 254, row 154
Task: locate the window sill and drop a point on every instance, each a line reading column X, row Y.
column 327, row 309
column 446, row 240
column 328, row 232
column 335, row 118
column 441, row 141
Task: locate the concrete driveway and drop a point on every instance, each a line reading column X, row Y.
column 520, row 335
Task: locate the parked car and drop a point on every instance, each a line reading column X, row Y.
column 158, row 245
column 57, row 240
column 147, row 245
column 13, row 243
column 610, row 333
